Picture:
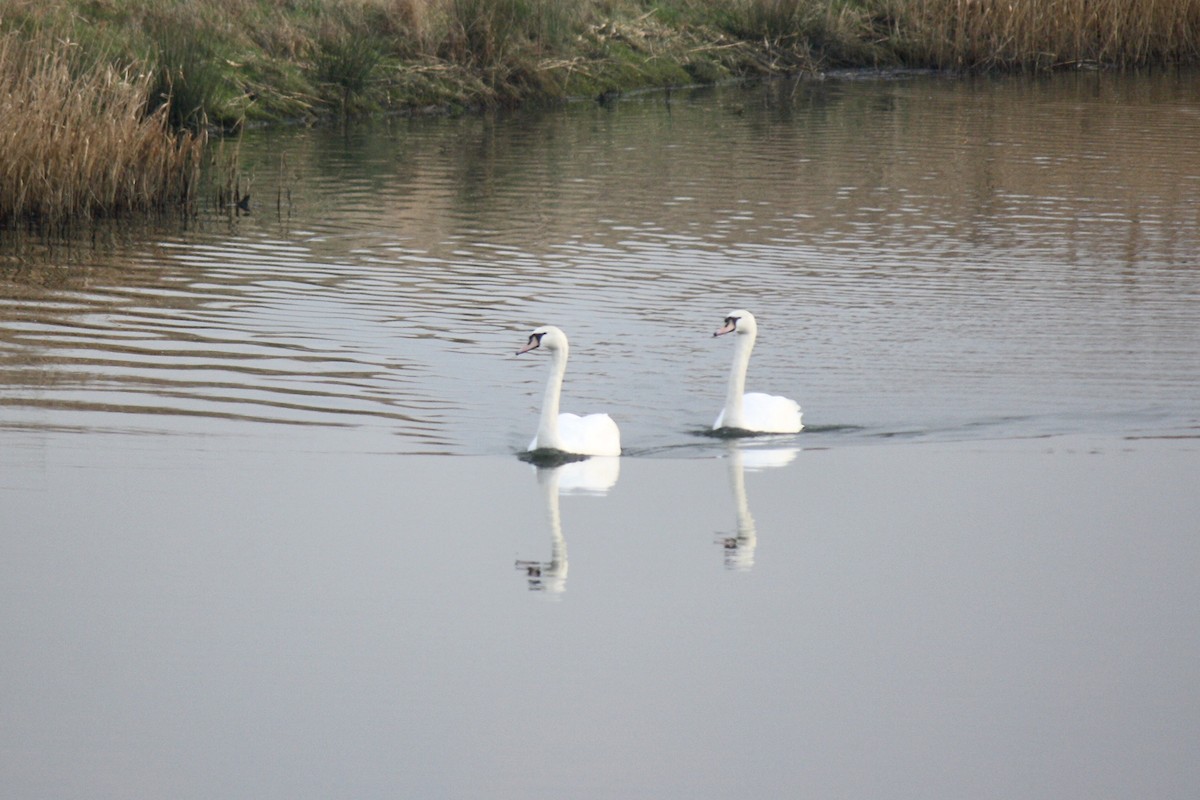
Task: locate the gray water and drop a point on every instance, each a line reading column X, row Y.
column 264, row 533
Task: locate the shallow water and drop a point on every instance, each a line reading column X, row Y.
column 264, row 533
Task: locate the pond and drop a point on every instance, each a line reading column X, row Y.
column 266, row 533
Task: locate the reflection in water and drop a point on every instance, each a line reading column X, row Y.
column 593, row 476
column 739, row 548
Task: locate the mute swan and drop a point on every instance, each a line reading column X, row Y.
column 593, row 435
column 753, row 412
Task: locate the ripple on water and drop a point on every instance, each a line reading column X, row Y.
column 953, row 269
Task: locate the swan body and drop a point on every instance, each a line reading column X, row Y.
column 591, row 435
column 754, row 411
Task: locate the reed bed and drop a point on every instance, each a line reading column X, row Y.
column 1043, row 34
column 76, row 139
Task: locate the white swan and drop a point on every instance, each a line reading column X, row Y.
column 754, row 412
column 593, row 435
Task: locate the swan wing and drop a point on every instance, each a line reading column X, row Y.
column 770, row 413
column 593, row 435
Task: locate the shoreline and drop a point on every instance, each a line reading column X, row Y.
column 90, row 85
column 223, row 66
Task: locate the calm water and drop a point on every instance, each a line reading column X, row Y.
column 263, row 533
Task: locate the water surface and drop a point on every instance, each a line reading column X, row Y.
column 927, row 257
column 937, row 620
column 263, row 533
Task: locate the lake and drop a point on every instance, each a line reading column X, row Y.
column 267, row 534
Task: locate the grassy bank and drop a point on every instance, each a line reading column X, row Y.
column 160, row 66
column 224, row 61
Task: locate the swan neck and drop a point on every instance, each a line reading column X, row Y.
column 743, row 344
column 547, row 435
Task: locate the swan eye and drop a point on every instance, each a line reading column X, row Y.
column 732, row 321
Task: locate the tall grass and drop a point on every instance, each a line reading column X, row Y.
column 1043, row 34
column 770, row 20
column 346, row 67
column 190, row 75
column 75, row 138
column 487, row 32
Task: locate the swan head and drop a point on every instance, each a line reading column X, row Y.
column 547, row 336
column 738, row 321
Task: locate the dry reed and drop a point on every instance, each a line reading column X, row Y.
column 1045, row 34
column 76, row 140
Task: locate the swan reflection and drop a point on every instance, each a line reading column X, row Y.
column 594, row 476
column 739, row 548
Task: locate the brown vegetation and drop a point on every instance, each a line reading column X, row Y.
column 76, row 139
column 1044, row 34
